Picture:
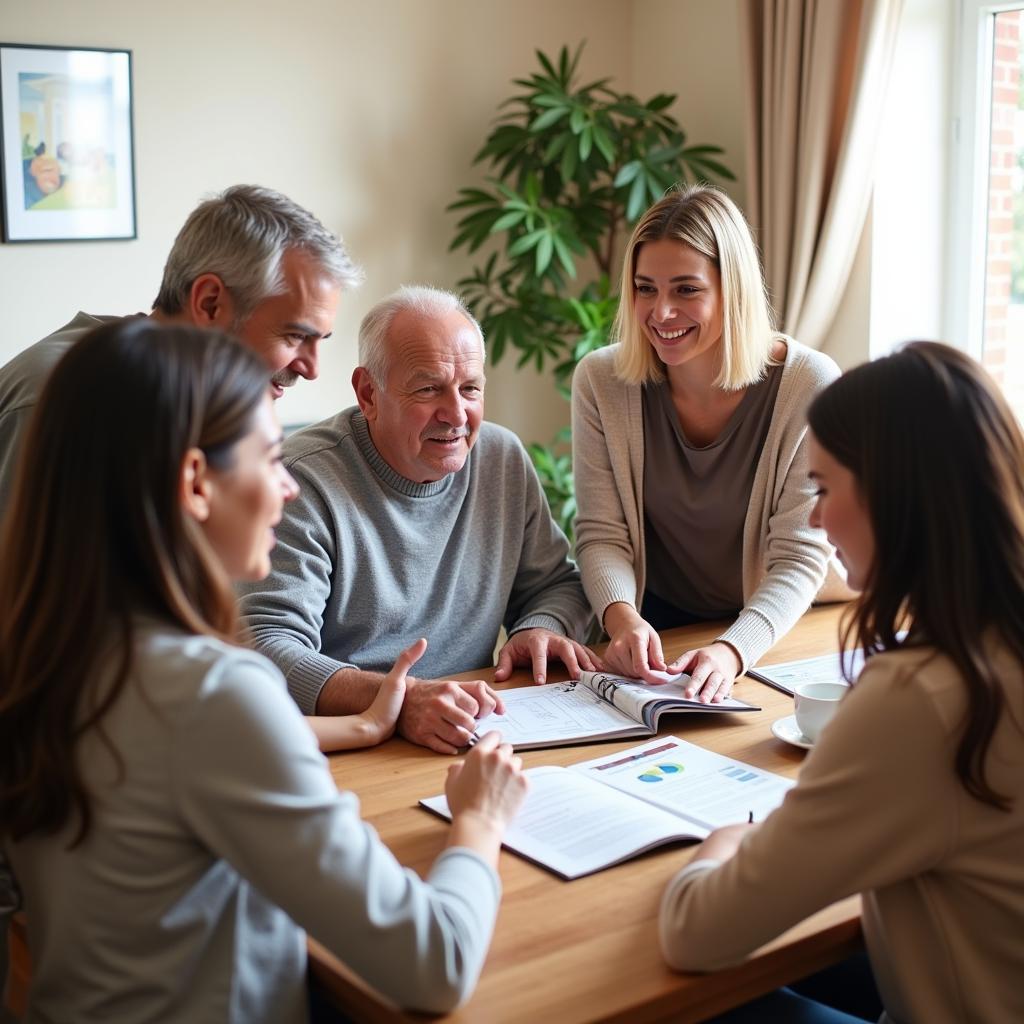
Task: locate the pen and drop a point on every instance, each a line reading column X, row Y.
column 750, row 818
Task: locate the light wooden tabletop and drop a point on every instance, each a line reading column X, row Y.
column 587, row 950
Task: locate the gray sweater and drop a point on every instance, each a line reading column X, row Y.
column 224, row 839
column 368, row 561
column 22, row 381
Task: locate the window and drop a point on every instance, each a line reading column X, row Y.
column 987, row 294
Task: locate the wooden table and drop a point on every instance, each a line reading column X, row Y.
column 587, row 950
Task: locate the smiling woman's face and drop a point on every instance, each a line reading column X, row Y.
column 677, row 295
column 245, row 500
column 841, row 512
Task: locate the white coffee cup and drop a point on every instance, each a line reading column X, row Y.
column 816, row 703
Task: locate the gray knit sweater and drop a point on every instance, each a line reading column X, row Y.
column 21, row 383
column 367, row 561
column 217, row 838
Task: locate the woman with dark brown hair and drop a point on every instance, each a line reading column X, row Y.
column 164, row 810
column 914, row 793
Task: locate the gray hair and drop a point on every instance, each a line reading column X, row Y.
column 241, row 236
column 413, row 298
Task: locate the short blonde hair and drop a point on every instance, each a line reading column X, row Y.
column 706, row 219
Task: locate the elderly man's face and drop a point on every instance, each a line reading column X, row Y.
column 428, row 415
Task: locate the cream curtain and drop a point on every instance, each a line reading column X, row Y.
column 817, row 76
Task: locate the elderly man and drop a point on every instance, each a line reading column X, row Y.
column 415, row 518
column 249, row 261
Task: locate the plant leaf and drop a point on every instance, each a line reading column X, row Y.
column 526, row 242
column 567, row 168
column 637, row 197
column 661, row 101
column 548, row 118
column 507, row 220
column 604, row 143
column 627, row 172
column 564, row 256
column 545, row 63
column 544, row 250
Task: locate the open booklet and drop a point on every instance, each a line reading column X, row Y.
column 582, row 819
column 597, row 706
column 826, row 668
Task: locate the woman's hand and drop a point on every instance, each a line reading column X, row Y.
column 380, row 718
column 723, row 843
column 485, row 791
column 634, row 647
column 712, row 670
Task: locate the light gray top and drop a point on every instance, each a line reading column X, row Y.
column 367, row 561
column 879, row 810
column 696, row 499
column 786, row 562
column 22, row 381
column 225, row 838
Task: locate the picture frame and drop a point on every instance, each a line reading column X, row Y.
column 67, row 154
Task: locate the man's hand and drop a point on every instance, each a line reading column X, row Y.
column 442, row 714
column 533, row 647
column 712, row 670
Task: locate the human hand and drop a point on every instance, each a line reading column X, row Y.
column 634, row 647
column 712, row 670
column 488, row 787
column 723, row 843
column 442, row 714
column 533, row 647
column 381, row 717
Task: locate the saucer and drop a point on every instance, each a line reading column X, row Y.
column 788, row 731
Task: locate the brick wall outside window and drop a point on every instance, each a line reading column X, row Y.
column 1003, row 344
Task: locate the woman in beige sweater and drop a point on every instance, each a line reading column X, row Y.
column 914, row 794
column 688, row 452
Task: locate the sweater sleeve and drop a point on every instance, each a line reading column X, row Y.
column 603, row 547
column 547, row 592
column 796, row 555
column 250, row 781
column 284, row 613
column 882, row 768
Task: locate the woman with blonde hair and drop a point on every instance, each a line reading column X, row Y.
column 164, row 811
column 914, row 793
column 689, row 455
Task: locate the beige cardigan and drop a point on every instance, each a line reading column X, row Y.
column 879, row 810
column 785, row 561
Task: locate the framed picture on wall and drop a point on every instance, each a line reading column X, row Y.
column 67, row 162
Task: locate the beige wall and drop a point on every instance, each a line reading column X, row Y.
column 693, row 49
column 369, row 114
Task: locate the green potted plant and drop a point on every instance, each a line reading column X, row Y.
column 569, row 167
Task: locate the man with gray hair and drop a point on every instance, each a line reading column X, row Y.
column 415, row 518
column 248, row 261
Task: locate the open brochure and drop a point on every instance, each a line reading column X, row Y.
column 582, row 819
column 826, row 668
column 597, row 706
